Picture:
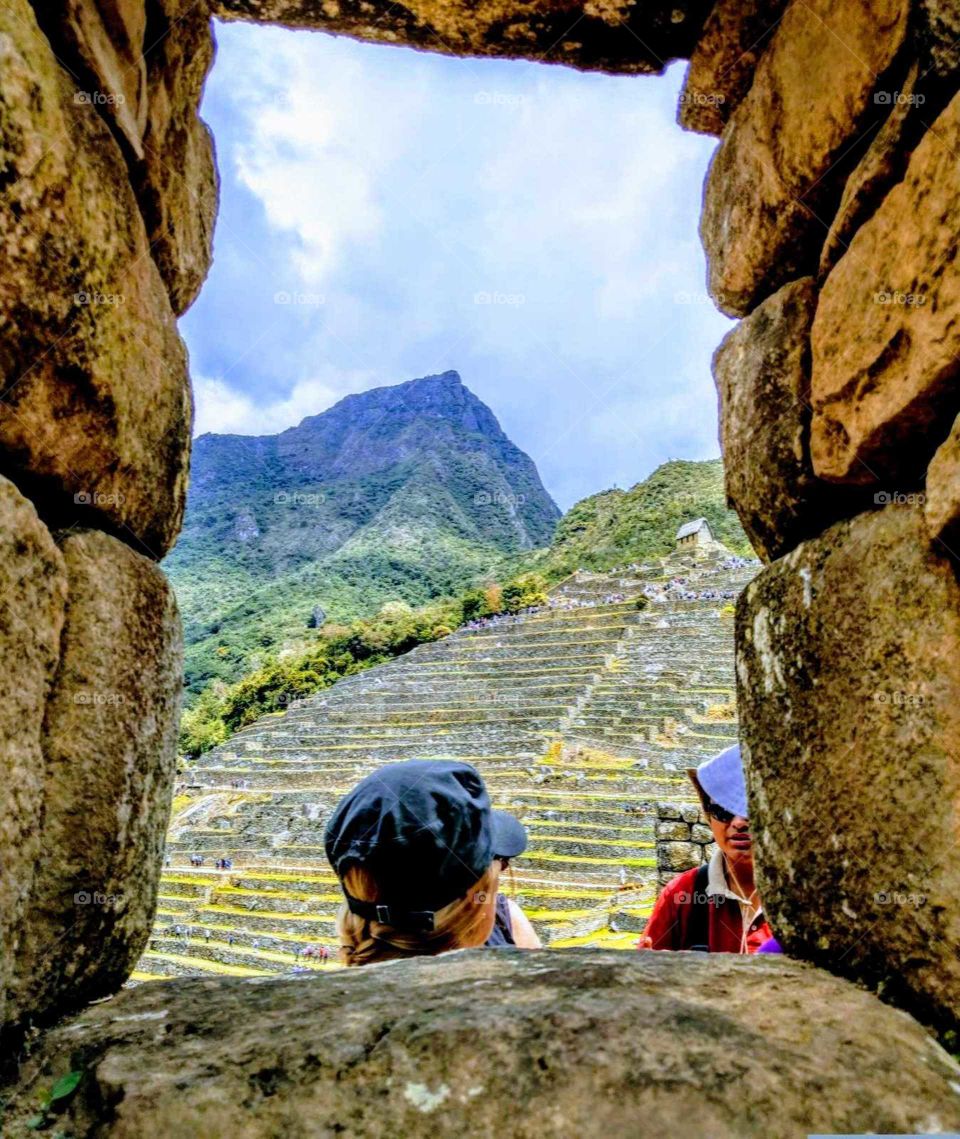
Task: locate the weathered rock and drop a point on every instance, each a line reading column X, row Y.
column 886, row 337
column 777, row 173
column 880, row 168
column 176, row 183
column 668, row 811
column 109, row 747
column 722, row 65
column 849, row 695
column 103, row 44
column 675, row 857
column 553, row 1043
column 939, row 28
column 762, row 372
column 96, row 399
column 678, row 831
column 33, row 584
column 619, row 36
column 942, row 498
column 149, row 93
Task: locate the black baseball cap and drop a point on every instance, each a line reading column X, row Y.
column 425, row 830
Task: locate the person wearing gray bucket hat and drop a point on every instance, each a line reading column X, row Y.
column 418, row 850
column 714, row 907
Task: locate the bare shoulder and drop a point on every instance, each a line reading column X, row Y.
column 524, row 934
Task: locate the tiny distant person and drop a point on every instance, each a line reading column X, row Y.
column 419, row 852
column 715, row 907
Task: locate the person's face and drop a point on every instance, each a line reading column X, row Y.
column 731, row 832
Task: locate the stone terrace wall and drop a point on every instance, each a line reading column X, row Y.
column 108, row 199
column 683, row 839
column 830, row 224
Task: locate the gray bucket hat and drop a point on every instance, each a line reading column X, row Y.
column 721, row 777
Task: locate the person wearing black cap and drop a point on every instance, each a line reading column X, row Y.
column 418, row 851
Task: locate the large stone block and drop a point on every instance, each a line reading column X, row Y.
column 146, row 83
column 533, row 1045
column 778, row 171
column 762, row 372
column 176, row 183
column 886, row 337
column 942, row 497
column 881, row 167
column 96, row 397
column 109, row 745
column 618, row 36
column 722, row 65
column 848, row 669
column 675, row 857
column 33, row 585
column 104, row 43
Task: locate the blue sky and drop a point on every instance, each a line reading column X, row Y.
column 387, row 214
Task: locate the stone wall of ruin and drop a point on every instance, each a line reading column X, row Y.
column 108, row 200
column 683, row 839
column 831, row 221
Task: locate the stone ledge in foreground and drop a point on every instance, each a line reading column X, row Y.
column 505, row 1043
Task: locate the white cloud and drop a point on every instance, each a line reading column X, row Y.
column 313, row 152
column 226, row 410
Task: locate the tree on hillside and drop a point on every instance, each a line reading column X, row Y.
column 475, row 604
column 524, row 592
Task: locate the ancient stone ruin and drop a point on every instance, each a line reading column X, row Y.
column 831, row 220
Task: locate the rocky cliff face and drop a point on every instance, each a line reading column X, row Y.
column 399, row 492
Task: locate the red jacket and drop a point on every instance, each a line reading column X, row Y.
column 669, row 924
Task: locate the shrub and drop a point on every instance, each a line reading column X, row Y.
column 524, row 592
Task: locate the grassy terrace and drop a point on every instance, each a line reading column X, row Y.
column 578, row 718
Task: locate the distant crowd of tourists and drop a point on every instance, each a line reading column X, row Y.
column 499, row 620
column 200, row 860
column 421, row 855
column 564, row 603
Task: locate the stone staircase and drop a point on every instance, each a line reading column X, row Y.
column 579, row 716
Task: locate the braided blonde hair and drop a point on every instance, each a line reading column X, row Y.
column 466, row 922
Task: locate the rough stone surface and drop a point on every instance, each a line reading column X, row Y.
column 33, row 585
column 886, row 337
column 942, row 497
column 618, row 36
column 146, row 81
column 96, row 398
column 103, row 42
column 675, row 857
column 849, row 692
column 480, row 1043
column 881, row 167
column 109, row 745
column 722, row 65
column 668, row 831
column 176, row 183
column 940, row 36
column 777, row 173
column 762, row 372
